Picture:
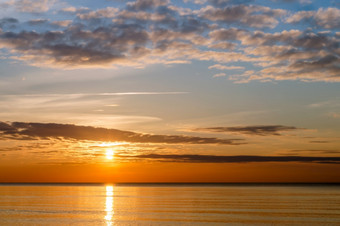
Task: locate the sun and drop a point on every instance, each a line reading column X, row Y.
column 110, row 148
column 109, row 153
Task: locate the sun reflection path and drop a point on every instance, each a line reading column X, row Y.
column 109, row 205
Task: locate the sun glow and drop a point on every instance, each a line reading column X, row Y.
column 110, row 148
column 110, row 144
column 109, row 153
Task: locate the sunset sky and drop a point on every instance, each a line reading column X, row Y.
column 169, row 91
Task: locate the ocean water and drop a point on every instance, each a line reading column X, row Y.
column 169, row 205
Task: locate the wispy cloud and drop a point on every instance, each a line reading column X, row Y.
column 335, row 115
column 223, row 67
column 31, row 6
column 323, row 151
column 319, row 141
column 220, row 75
column 236, row 159
column 77, row 95
column 261, row 130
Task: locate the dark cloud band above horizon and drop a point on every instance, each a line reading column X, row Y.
column 261, row 130
column 237, row 158
column 23, row 130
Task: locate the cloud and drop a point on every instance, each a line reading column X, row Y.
column 219, row 75
column 74, row 10
column 77, row 108
column 19, row 130
column 141, row 33
column 62, row 23
column 140, row 16
column 223, row 45
column 315, row 150
column 108, row 12
column 52, row 97
column 236, row 159
column 294, row 1
column 74, row 46
column 4, row 127
column 223, row 67
column 37, row 22
column 30, row 6
column 200, row 2
column 252, row 16
column 227, row 34
column 146, row 4
column 291, row 55
column 319, row 141
column 222, row 3
column 327, row 18
column 261, row 130
column 335, row 115
column 8, row 21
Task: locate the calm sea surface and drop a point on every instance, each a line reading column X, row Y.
column 168, row 205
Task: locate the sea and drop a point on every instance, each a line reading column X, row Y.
column 169, row 204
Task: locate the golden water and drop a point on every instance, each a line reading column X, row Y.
column 168, row 205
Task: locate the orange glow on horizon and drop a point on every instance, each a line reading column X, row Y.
column 172, row 172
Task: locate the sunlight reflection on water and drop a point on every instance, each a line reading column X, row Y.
column 109, row 205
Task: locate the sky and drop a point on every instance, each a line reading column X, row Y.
column 169, row 91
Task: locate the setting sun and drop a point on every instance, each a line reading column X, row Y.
column 109, row 153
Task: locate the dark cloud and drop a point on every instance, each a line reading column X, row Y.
column 10, row 22
column 6, row 128
column 222, row 3
column 94, row 40
column 146, row 4
column 22, row 130
column 315, row 150
column 295, row 54
column 223, row 45
column 328, row 64
column 311, row 42
column 85, row 14
column 327, row 18
column 303, row 41
column 75, row 46
column 319, row 141
column 236, row 159
column 227, row 34
column 261, row 130
column 252, row 16
column 37, row 22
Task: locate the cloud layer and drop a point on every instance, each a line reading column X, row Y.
column 225, row 33
column 58, row 141
column 262, row 130
column 237, row 159
column 22, row 130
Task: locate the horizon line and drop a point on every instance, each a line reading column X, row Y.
column 177, row 183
